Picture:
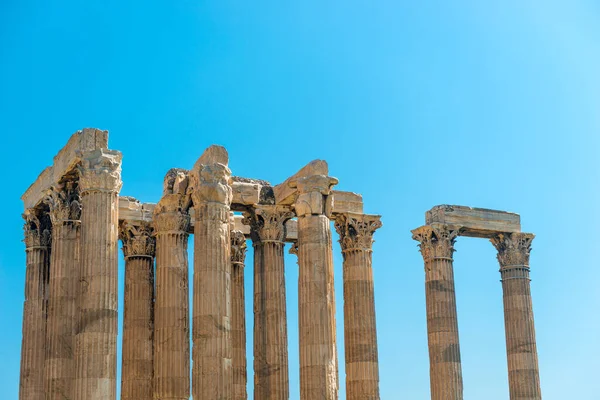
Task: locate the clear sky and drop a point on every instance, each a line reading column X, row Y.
column 412, row 103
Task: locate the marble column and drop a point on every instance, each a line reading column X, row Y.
column 271, row 373
column 437, row 248
column 138, row 313
column 238, row 315
column 360, row 333
column 62, row 316
column 212, row 373
column 37, row 229
column 96, row 340
column 316, row 303
column 523, row 371
column 171, row 306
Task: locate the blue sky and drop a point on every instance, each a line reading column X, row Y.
column 413, row 104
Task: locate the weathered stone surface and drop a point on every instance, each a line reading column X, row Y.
column 360, row 333
column 238, row 315
column 286, row 194
column 476, row 222
column 437, row 246
column 347, row 202
column 38, row 238
column 316, row 302
column 271, row 373
column 96, row 340
column 138, row 315
column 523, row 370
column 68, row 157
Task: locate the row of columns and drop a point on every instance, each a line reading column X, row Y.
column 70, row 322
column 436, row 243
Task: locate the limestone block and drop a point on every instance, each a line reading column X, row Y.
column 476, row 222
column 68, row 157
column 245, row 193
column 285, row 194
column 347, row 202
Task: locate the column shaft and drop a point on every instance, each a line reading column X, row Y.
column 437, row 247
column 360, row 332
column 212, row 371
column 171, row 308
column 318, row 355
column 238, row 316
column 521, row 348
column 442, row 331
column 34, row 313
column 271, row 378
column 96, row 339
column 62, row 311
column 138, row 329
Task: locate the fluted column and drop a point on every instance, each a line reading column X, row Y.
column 65, row 211
column 238, row 315
column 523, row 371
column 37, row 246
column 271, row 376
column 316, row 303
column 437, row 246
column 96, row 340
column 138, row 313
column 212, row 373
column 171, row 307
column 360, row 333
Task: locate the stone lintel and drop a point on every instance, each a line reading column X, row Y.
column 87, row 139
column 133, row 210
column 286, row 195
column 347, row 202
column 475, row 222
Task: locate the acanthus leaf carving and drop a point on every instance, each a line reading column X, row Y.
column 37, row 229
column 267, row 223
column 100, row 170
column 436, row 241
column 513, row 248
column 138, row 239
column 356, row 230
column 64, row 202
column 211, row 184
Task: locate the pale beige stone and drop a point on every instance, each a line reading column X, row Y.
column 437, row 246
column 271, row 372
column 286, row 194
column 474, row 222
column 96, row 339
column 138, row 315
column 212, row 371
column 171, row 310
column 238, row 315
column 316, row 302
column 38, row 235
column 360, row 333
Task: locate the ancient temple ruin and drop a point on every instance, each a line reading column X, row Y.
column 74, row 219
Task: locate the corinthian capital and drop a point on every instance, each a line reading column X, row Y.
column 356, row 230
column 137, row 239
column 238, row 247
column 436, row 241
column 267, row 223
column 314, row 195
column 64, row 203
column 37, row 229
column 513, row 248
column 100, row 171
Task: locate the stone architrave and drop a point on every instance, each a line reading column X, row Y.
column 437, row 247
column 238, row 315
column 65, row 212
column 38, row 236
column 316, row 303
column 138, row 313
column 523, row 370
column 96, row 340
column 360, row 333
column 271, row 372
column 212, row 371
column 171, row 306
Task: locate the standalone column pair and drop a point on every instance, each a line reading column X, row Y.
column 437, row 247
